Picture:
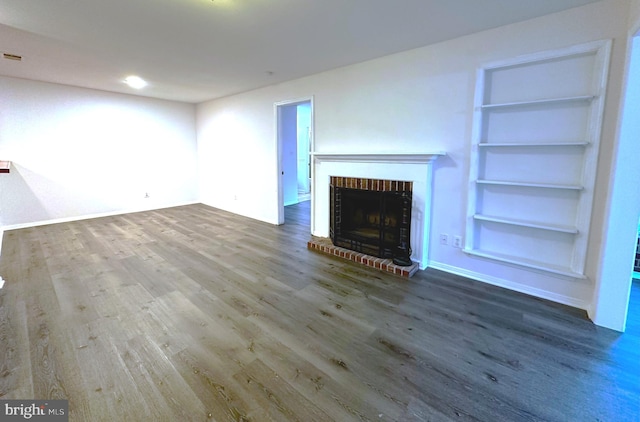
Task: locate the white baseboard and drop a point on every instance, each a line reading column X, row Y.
column 90, row 216
column 507, row 284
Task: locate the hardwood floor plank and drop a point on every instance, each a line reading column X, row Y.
column 15, row 351
column 164, row 389
column 112, row 393
column 74, row 300
column 332, row 363
column 277, row 399
column 334, row 398
column 208, row 379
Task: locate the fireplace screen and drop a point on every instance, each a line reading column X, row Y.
column 372, row 217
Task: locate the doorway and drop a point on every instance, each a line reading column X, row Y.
column 294, row 129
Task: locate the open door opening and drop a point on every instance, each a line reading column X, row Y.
column 294, row 123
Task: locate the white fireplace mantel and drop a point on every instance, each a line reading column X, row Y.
column 402, row 158
column 415, row 167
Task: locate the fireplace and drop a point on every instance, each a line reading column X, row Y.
column 372, row 216
column 416, row 168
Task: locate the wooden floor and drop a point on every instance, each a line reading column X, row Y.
column 194, row 314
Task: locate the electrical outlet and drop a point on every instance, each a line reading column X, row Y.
column 444, row 239
column 457, row 241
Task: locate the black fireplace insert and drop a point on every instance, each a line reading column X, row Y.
column 372, row 222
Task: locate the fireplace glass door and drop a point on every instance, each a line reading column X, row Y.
column 372, row 222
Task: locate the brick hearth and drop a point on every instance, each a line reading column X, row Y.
column 324, row 245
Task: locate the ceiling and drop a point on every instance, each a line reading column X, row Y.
column 197, row 50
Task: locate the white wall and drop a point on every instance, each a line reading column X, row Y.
column 634, row 13
column 237, row 155
column 416, row 101
column 77, row 152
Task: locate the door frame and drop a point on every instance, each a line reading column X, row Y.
column 610, row 303
column 277, row 110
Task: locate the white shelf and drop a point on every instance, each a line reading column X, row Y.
column 532, row 144
column 548, row 101
column 523, row 223
column 528, row 185
column 542, row 266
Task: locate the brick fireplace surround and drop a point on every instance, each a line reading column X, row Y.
column 325, row 246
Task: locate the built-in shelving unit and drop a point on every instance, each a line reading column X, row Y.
column 535, row 146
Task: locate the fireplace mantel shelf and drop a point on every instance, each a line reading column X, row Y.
column 407, row 157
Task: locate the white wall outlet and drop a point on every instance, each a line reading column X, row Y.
column 444, row 239
column 457, row 241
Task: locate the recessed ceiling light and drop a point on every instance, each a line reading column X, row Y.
column 135, row 82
